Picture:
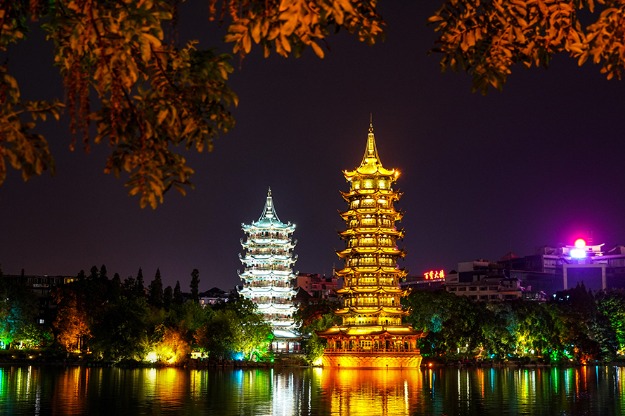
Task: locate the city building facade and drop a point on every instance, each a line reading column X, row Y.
column 553, row 269
column 483, row 280
column 372, row 334
column 319, row 286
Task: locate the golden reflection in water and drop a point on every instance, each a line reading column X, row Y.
column 197, row 383
column 71, row 390
column 166, row 384
column 368, row 392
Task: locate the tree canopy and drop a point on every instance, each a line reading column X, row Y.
column 147, row 96
column 130, row 84
column 487, row 38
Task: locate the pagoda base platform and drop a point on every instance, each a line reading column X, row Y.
column 379, row 359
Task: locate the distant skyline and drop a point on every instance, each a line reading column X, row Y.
column 537, row 164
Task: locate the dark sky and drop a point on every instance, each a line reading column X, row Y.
column 537, row 164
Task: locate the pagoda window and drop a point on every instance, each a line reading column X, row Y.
column 368, row 203
column 355, row 203
column 368, row 222
column 368, row 184
column 356, row 185
column 382, row 183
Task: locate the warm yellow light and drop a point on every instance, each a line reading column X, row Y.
column 152, row 357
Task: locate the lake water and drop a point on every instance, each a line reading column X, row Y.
column 312, row 391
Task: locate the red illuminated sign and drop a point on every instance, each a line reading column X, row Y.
column 434, row 275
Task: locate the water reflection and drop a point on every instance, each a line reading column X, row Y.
column 361, row 392
column 482, row 391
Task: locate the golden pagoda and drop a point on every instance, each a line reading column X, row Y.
column 372, row 334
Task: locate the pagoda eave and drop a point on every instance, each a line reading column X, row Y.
column 370, row 169
column 371, row 331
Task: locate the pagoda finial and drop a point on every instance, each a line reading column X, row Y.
column 371, row 152
column 269, row 211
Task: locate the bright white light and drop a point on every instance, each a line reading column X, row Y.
column 579, row 252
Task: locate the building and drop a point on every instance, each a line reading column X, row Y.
column 318, row 286
column 429, row 281
column 213, row 297
column 42, row 287
column 552, row 269
column 268, row 275
column 372, row 333
column 482, row 280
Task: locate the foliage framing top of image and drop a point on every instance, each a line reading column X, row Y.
column 486, row 38
column 145, row 95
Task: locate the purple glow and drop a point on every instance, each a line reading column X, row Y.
column 578, row 253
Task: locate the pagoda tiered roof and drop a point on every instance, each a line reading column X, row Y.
column 370, row 269
column 369, row 330
column 371, row 164
column 360, row 310
column 352, row 194
column 285, row 244
column 268, row 219
column 377, row 289
column 391, row 251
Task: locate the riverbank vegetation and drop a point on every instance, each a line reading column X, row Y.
column 101, row 320
column 574, row 326
column 111, row 321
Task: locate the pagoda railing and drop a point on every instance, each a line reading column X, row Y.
column 268, row 284
column 371, row 350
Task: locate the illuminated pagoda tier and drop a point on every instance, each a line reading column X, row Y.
column 268, row 275
column 372, row 334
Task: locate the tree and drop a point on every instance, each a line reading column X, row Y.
column 116, row 287
column 172, row 348
column 71, row 323
column 121, row 330
column 139, row 284
column 234, row 328
column 18, row 313
column 93, row 273
column 178, row 299
column 612, row 305
column 452, row 322
column 103, row 274
column 195, row 283
column 156, row 290
column 487, row 38
column 146, row 96
column 314, row 345
column 168, row 297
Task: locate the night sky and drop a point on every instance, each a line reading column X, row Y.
column 537, row 164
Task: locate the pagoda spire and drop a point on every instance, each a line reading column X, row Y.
column 371, row 164
column 371, row 151
column 269, row 212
